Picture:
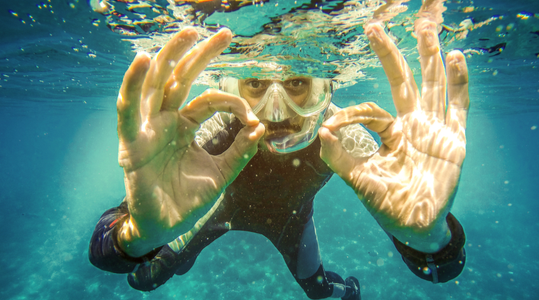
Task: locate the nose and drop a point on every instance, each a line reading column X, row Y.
column 276, row 108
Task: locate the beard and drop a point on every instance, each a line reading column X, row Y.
column 278, row 130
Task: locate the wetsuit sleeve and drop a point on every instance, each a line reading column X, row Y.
column 104, row 251
column 443, row 265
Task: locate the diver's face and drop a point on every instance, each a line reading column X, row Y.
column 297, row 90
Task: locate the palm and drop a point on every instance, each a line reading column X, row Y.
column 162, row 164
column 414, row 174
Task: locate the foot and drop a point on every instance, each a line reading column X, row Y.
column 352, row 289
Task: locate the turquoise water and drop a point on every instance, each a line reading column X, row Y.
column 58, row 155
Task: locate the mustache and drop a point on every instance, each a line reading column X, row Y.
column 279, row 129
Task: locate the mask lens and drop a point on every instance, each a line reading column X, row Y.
column 302, row 95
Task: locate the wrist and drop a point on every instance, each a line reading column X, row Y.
column 426, row 240
column 433, row 240
column 130, row 240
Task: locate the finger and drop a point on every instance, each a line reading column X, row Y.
column 189, row 67
column 401, row 79
column 368, row 114
column 335, row 156
column 163, row 65
column 204, row 106
column 128, row 104
column 459, row 99
column 432, row 68
column 245, row 146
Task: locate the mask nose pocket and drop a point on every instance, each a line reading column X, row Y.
column 275, row 108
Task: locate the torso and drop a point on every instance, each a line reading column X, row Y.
column 276, row 182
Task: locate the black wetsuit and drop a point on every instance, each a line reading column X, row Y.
column 272, row 196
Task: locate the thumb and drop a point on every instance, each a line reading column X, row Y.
column 245, row 146
column 335, row 156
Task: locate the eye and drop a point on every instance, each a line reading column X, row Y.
column 296, row 83
column 297, row 86
column 254, row 84
column 253, row 87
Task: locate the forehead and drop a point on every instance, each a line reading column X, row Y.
column 277, row 78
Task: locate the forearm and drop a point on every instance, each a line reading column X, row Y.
column 138, row 239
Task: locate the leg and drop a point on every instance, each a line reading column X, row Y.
column 299, row 247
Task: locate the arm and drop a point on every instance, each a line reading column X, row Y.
column 170, row 180
column 409, row 184
column 105, row 252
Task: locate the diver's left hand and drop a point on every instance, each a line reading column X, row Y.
column 409, row 184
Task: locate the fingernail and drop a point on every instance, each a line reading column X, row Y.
column 329, row 122
column 251, row 116
column 373, row 34
column 142, row 53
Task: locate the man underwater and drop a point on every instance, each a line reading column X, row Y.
column 253, row 155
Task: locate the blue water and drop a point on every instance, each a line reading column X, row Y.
column 59, row 172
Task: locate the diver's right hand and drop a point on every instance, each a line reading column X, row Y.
column 170, row 181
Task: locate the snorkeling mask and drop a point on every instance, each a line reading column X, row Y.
column 292, row 110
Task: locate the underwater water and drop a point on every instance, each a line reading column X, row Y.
column 60, row 70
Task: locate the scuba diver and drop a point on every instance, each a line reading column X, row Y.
column 252, row 155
